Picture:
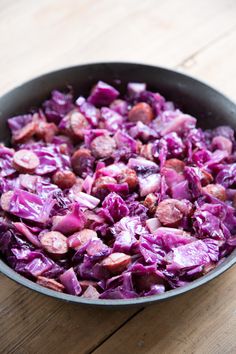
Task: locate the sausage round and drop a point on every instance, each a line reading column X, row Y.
column 50, row 283
column 103, row 146
column 25, row 133
column 82, row 162
column 128, row 176
column 54, row 242
column 78, row 123
column 175, row 164
column 100, row 188
column 142, row 112
column 116, row 262
column 64, row 179
column 150, row 202
column 25, row 161
column 170, row 212
column 146, row 151
column 216, row 190
column 6, row 200
column 79, row 239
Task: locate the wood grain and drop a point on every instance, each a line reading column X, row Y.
column 197, row 37
column 203, row 321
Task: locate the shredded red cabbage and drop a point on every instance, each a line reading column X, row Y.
column 116, row 197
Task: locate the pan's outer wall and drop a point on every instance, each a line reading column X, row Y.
column 193, row 97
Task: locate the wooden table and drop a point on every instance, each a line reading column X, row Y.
column 196, row 37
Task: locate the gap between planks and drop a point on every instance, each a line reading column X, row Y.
column 115, row 331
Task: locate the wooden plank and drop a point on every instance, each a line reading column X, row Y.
column 35, row 323
column 62, row 33
column 202, row 321
column 73, row 329
column 216, row 64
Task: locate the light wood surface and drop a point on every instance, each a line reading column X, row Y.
column 196, row 37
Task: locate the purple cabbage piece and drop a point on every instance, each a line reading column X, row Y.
column 85, row 200
column 71, row 222
column 29, row 206
column 114, row 208
column 182, row 123
column 120, row 106
column 6, row 159
column 142, row 131
column 102, row 94
column 18, row 122
column 227, row 176
column 155, row 100
column 187, row 256
column 58, row 106
column 134, row 89
column 224, row 131
column 124, row 140
column 168, row 238
column 150, row 250
column 70, row 282
column 112, row 120
column 88, row 110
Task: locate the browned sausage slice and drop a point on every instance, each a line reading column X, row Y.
column 216, row 190
column 128, row 176
column 103, row 146
column 141, row 112
column 170, row 212
column 78, row 239
column 25, row 161
column 54, row 242
column 6, row 200
column 150, row 202
column 175, row 164
column 50, row 283
column 116, row 262
column 64, row 179
column 82, row 161
column 146, row 151
column 25, row 133
column 78, row 123
column 100, row 187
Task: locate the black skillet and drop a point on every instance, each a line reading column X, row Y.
column 209, row 106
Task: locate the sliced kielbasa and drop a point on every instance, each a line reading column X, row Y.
column 79, row 239
column 78, row 123
column 150, row 202
column 82, row 162
column 54, row 242
column 216, row 190
column 128, row 176
column 103, row 146
column 25, row 133
column 6, row 200
column 146, row 151
column 175, row 164
column 46, row 131
column 116, row 262
column 25, row 161
column 100, row 187
column 142, row 112
column 50, row 283
column 206, row 177
column 171, row 211
column 64, row 179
